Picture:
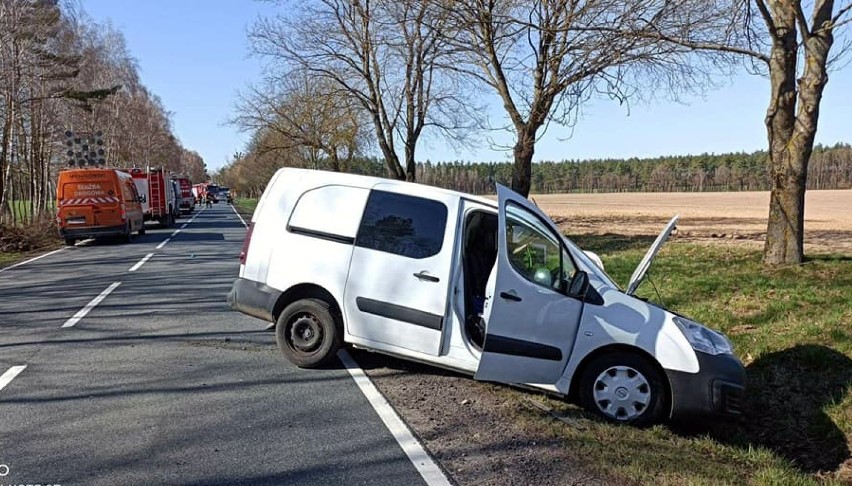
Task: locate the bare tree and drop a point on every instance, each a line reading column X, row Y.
column 778, row 38
column 308, row 113
column 387, row 55
column 545, row 58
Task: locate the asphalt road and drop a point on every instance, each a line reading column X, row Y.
column 161, row 383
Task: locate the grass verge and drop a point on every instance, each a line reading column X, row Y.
column 789, row 325
column 22, row 241
column 245, row 206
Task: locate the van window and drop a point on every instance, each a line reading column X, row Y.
column 128, row 189
column 329, row 211
column 535, row 251
column 403, row 225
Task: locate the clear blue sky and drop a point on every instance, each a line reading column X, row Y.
column 194, row 54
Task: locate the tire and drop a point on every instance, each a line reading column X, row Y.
column 308, row 334
column 624, row 388
column 141, row 230
column 70, row 241
column 127, row 237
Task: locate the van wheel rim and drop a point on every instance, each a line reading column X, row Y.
column 622, row 393
column 306, row 333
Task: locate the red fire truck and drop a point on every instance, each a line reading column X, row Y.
column 187, row 202
column 158, row 196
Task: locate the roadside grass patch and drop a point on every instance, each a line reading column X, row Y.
column 791, row 326
column 21, row 241
column 245, row 206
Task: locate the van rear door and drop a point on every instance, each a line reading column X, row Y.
column 90, row 200
column 531, row 321
column 398, row 284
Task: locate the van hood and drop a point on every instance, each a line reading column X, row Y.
column 644, row 265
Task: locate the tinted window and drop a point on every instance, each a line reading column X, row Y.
column 404, row 225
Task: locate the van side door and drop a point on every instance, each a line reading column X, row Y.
column 531, row 320
column 397, row 289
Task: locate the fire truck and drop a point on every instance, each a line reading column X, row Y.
column 158, row 196
column 187, row 203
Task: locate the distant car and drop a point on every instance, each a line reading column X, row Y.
column 488, row 288
column 225, row 194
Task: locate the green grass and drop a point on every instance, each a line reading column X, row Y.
column 10, row 258
column 245, row 205
column 22, row 209
column 791, row 326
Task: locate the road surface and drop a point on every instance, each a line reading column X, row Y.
column 112, row 376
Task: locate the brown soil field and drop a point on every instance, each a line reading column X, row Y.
column 736, row 216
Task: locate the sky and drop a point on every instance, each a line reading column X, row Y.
column 194, row 54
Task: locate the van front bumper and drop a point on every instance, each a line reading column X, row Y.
column 92, row 231
column 717, row 389
column 253, row 298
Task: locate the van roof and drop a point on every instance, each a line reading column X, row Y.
column 369, row 181
column 83, row 174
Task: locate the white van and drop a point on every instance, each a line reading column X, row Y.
column 406, row 269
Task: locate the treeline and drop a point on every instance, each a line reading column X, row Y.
column 60, row 71
column 830, row 168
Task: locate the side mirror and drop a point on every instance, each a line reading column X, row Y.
column 579, row 285
column 142, row 198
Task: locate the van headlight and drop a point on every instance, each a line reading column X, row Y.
column 703, row 339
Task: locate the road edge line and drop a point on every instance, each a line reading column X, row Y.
column 30, row 260
column 239, row 216
column 10, row 375
column 425, row 465
column 91, row 305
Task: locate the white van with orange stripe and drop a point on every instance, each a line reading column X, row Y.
column 95, row 203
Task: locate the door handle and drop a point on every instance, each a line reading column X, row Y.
column 511, row 295
column 424, row 275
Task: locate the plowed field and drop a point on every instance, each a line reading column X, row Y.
column 736, row 216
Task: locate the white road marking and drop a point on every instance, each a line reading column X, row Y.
column 10, row 375
column 141, row 262
column 175, row 233
column 164, row 243
column 184, row 225
column 30, row 260
column 91, row 305
column 238, row 215
column 424, row 464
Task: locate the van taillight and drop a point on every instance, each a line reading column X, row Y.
column 123, row 213
column 246, row 243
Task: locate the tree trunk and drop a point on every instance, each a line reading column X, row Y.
column 791, row 133
column 410, row 163
column 523, row 152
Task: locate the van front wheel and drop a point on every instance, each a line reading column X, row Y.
column 308, row 334
column 623, row 388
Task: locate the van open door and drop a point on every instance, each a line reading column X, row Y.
column 531, row 317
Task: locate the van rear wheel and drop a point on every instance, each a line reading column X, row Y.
column 308, row 334
column 624, row 388
column 69, row 241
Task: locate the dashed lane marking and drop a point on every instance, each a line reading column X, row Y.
column 10, row 375
column 141, row 262
column 91, row 305
column 424, row 464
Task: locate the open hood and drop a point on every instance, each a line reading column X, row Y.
column 644, row 265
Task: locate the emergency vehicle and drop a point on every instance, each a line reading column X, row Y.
column 97, row 202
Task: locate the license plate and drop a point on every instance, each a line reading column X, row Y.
column 76, row 220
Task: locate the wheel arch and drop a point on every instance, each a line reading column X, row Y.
column 307, row 291
column 574, row 391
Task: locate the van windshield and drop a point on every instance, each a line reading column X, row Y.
column 592, row 266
